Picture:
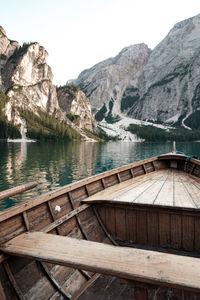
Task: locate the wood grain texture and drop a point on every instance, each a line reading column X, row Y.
column 135, row 264
column 17, row 190
column 167, row 187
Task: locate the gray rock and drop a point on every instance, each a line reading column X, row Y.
column 77, row 107
column 171, row 76
column 105, row 83
column 27, row 79
column 7, row 48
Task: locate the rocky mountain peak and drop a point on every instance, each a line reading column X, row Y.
column 105, row 83
column 27, row 66
column 7, row 48
column 2, row 31
column 171, row 77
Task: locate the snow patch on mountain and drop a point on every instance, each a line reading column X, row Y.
column 119, row 129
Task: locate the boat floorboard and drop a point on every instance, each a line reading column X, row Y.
column 169, row 187
column 134, row 264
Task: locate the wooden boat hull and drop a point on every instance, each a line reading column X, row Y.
column 70, row 211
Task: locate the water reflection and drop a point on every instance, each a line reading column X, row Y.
column 57, row 164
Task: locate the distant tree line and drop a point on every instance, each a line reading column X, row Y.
column 154, row 134
column 47, row 127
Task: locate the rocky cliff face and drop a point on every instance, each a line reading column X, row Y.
column 105, row 83
column 27, row 80
column 171, row 79
column 7, row 48
column 77, row 107
column 162, row 85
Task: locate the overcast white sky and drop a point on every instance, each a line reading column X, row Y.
column 80, row 33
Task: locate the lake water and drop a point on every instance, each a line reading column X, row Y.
column 56, row 164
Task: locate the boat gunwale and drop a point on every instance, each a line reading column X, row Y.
column 17, row 209
column 10, row 212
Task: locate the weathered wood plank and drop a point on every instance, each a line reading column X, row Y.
column 110, row 220
column 135, row 264
column 120, row 220
column 141, row 227
column 188, row 233
column 65, row 218
column 128, row 190
column 109, row 236
column 141, row 294
column 17, row 190
column 131, row 226
column 13, row 281
column 2, row 294
column 176, row 231
column 165, row 196
column 152, row 228
column 197, row 234
column 164, row 229
column 84, row 287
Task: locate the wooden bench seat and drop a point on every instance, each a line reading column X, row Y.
column 135, row 264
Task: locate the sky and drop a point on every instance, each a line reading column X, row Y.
column 80, row 33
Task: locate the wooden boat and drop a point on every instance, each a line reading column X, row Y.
column 129, row 233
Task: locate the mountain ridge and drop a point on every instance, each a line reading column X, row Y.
column 164, row 88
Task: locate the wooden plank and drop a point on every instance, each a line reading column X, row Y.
column 65, row 218
column 141, row 293
column 39, row 217
column 165, row 196
column 182, row 198
column 194, row 191
column 152, row 228
column 13, row 281
column 84, row 287
column 77, row 217
column 53, row 280
column 134, row 264
column 131, row 225
column 2, row 294
column 188, row 233
column 102, row 214
column 26, row 221
column 164, row 230
column 128, row 190
column 141, row 227
column 110, row 237
column 95, row 187
column 110, row 220
column 197, row 234
column 120, row 221
column 17, row 190
column 176, row 231
column 118, row 177
column 151, row 193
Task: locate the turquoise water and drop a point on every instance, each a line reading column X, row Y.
column 56, row 164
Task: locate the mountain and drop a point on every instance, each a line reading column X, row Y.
column 77, row 107
column 28, row 93
column 105, row 83
column 162, row 85
column 170, row 87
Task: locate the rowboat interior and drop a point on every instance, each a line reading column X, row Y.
column 129, row 233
